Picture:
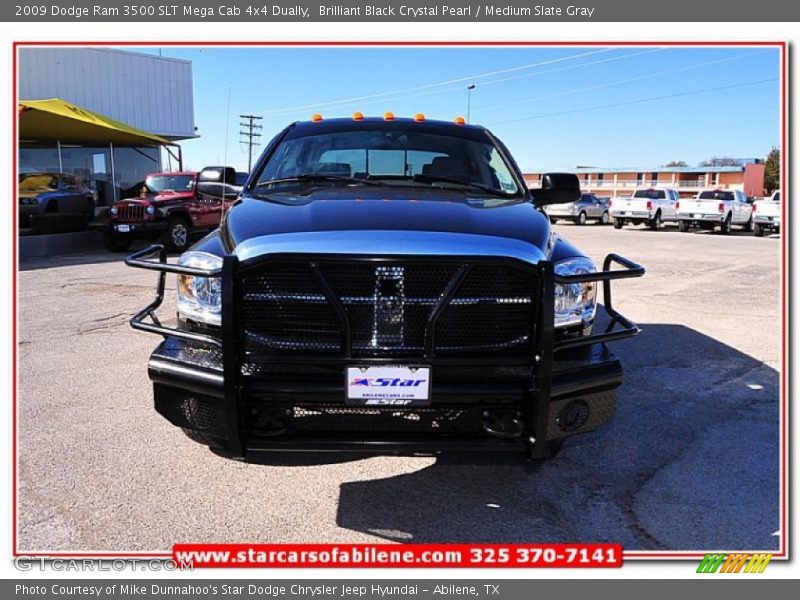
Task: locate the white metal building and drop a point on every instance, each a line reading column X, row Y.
column 144, row 91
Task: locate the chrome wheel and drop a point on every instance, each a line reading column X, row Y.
column 179, row 235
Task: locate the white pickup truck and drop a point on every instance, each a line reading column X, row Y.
column 647, row 205
column 767, row 214
column 716, row 207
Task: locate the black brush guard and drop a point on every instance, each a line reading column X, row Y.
column 537, row 406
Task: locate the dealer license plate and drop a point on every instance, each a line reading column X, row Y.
column 123, row 228
column 388, row 385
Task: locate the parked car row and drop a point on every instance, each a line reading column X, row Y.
column 709, row 209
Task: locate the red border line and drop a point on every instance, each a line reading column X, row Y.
column 784, row 398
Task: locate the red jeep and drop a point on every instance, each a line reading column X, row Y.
column 176, row 206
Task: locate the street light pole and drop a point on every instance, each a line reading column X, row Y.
column 470, row 87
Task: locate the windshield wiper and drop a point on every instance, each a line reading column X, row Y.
column 314, row 177
column 468, row 184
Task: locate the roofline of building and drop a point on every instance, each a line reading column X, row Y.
column 725, row 169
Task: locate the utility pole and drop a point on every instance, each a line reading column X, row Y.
column 250, row 134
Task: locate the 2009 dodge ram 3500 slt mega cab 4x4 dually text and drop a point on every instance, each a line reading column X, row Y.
column 386, row 285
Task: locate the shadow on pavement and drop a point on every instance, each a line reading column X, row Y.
column 690, row 461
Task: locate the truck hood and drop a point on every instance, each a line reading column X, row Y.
column 387, row 220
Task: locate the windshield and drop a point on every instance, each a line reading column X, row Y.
column 170, row 183
column 776, row 197
column 651, row 194
column 400, row 158
column 716, row 196
column 37, row 181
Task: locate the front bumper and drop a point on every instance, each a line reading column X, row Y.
column 139, row 229
column 208, row 384
column 302, row 407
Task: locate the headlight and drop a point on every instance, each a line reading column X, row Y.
column 574, row 302
column 114, row 210
column 200, row 298
column 151, row 210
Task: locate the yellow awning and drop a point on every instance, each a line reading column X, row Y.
column 55, row 120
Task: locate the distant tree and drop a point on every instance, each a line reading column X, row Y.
column 720, row 161
column 676, row 163
column 772, row 170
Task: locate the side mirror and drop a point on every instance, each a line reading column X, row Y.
column 557, row 188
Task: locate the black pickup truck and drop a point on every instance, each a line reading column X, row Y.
column 387, row 285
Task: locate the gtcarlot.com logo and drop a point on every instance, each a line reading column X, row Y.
column 734, row 563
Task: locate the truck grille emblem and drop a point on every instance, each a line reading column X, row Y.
column 388, row 303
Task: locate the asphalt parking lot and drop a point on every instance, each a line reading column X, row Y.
column 690, row 460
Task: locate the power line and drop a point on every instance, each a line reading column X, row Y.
column 637, row 101
column 620, row 81
column 251, row 133
column 459, row 89
column 428, row 86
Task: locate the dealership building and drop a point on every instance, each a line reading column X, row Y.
column 107, row 116
column 747, row 175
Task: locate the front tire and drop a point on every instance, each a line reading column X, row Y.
column 683, row 226
column 618, row 223
column 604, row 219
column 117, row 243
column 176, row 237
column 758, row 230
column 581, row 218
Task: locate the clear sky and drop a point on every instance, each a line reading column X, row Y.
column 555, row 108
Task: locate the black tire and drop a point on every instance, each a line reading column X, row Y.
column 683, row 226
column 603, row 219
column 758, row 230
column 117, row 243
column 618, row 223
column 581, row 220
column 655, row 222
column 748, row 227
column 553, row 221
column 201, row 438
column 177, row 234
column 725, row 226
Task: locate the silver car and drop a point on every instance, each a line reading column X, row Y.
column 588, row 207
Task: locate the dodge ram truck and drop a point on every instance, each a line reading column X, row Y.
column 647, row 205
column 386, row 285
column 711, row 208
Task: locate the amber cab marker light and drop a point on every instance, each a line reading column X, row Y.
column 358, row 116
column 419, row 117
column 460, row 121
column 388, row 116
column 316, row 118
